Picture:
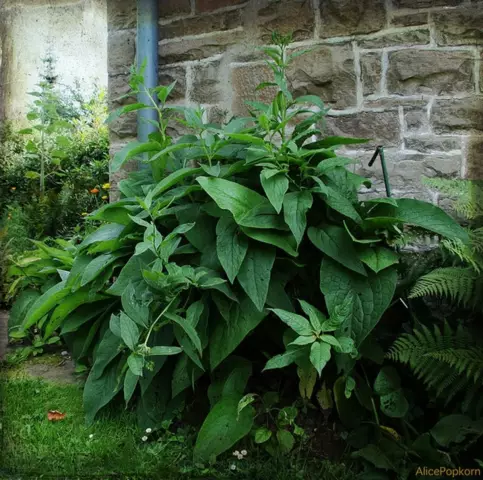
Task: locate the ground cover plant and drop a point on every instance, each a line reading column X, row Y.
column 238, row 268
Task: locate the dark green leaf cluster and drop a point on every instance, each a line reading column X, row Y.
column 229, row 224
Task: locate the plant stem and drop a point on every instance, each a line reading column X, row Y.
column 156, row 321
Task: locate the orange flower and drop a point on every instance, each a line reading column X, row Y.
column 95, row 190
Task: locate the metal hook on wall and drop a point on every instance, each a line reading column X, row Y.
column 380, row 152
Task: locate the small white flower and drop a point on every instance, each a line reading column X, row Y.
column 144, row 439
column 236, row 453
column 233, row 467
column 64, row 353
column 244, row 453
column 240, row 457
column 148, row 430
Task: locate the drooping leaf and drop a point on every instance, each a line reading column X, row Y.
column 222, row 428
column 276, row 238
column 341, row 204
column 242, row 318
column 249, row 208
column 100, row 390
column 254, row 274
column 109, row 231
column 130, row 383
column 231, row 247
column 422, row 214
column 291, row 355
column 452, row 429
column 295, row 208
column 129, row 331
column 286, row 441
column 275, row 185
column 372, row 295
column 335, row 242
column 319, row 355
column 377, row 258
column 45, row 303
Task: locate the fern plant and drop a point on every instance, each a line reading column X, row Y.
column 462, row 280
column 448, row 361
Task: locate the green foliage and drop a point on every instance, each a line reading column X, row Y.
column 449, row 362
column 226, row 226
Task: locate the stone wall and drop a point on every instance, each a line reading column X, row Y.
column 73, row 32
column 406, row 73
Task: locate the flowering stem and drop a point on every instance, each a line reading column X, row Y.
column 156, row 321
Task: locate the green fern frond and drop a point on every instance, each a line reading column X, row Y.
column 447, row 362
column 457, row 283
column 466, row 253
column 467, row 195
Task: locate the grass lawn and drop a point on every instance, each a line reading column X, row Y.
column 33, row 447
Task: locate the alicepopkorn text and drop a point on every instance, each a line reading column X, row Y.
column 448, row 472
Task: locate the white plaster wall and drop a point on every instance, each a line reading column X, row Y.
column 74, row 33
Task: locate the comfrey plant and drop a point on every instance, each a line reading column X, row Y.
column 207, row 251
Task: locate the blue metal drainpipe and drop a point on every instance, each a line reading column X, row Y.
column 147, row 51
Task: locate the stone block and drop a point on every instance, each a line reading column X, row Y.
column 382, row 128
column 430, row 72
column 173, row 51
column 429, row 143
column 244, row 81
column 458, row 115
column 201, row 24
column 416, row 120
column 410, row 19
column 371, row 68
column 172, row 8
column 463, row 26
column 121, row 46
column 289, row 16
column 328, row 72
column 350, row 17
column 168, row 74
column 409, row 38
column 118, row 86
column 124, row 127
column 207, row 82
column 210, row 5
column 474, row 159
column 121, row 14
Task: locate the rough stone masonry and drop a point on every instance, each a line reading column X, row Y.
column 406, row 73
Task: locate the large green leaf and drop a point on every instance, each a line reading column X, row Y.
column 377, row 258
column 372, row 296
column 254, row 275
column 131, row 150
column 188, row 329
column 222, row 428
column 296, row 322
column 291, row 355
column 67, row 306
column 249, row 208
column 231, row 246
column 106, row 351
column 172, row 179
column 21, row 306
column 295, row 208
column 275, row 185
column 283, row 240
column 319, row 355
column 131, row 273
column 97, row 266
column 45, row 304
column 241, row 319
column 100, row 390
column 110, row 231
column 422, row 214
column 335, row 242
column 341, row 204
column 129, row 331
